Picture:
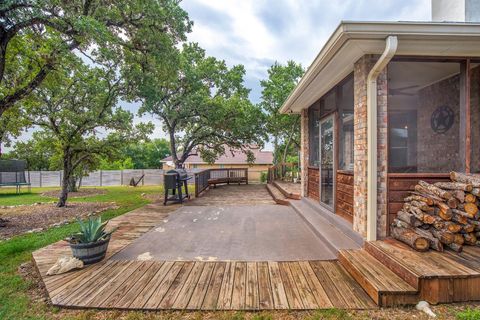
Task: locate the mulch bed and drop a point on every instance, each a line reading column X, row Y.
column 82, row 193
column 38, row 217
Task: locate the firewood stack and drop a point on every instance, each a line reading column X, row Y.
column 443, row 214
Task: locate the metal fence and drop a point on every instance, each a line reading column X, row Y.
column 115, row 177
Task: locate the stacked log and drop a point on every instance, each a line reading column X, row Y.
column 441, row 215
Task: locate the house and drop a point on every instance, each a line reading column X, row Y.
column 235, row 159
column 385, row 104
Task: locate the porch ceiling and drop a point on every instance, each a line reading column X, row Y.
column 352, row 40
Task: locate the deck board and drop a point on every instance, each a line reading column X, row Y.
column 193, row 285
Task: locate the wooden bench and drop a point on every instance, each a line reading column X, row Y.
column 227, row 176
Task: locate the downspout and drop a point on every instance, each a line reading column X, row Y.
column 390, row 50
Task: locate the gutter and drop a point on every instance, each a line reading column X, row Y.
column 390, row 50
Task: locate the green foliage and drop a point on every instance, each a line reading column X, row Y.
column 330, row 314
column 39, row 152
column 91, row 231
column 469, row 314
column 283, row 129
column 116, row 165
column 147, row 154
column 77, row 111
column 262, row 316
column 15, row 291
column 38, row 36
column 12, row 124
column 263, row 176
column 203, row 105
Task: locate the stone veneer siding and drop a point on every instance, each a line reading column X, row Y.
column 304, row 151
column 361, row 69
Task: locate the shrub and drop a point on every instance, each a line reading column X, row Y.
column 91, row 231
column 469, row 314
column 263, row 177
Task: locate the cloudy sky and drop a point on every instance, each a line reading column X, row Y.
column 256, row 33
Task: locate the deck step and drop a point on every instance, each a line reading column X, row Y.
column 285, row 192
column 392, row 263
column 277, row 195
column 328, row 230
column 381, row 284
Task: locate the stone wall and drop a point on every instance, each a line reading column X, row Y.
column 304, row 151
column 361, row 69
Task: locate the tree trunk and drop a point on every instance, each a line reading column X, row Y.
column 455, row 247
column 287, row 143
column 72, row 184
column 454, row 186
column 435, row 244
column 428, row 201
column 411, row 238
column 445, row 237
column 453, row 227
column 62, row 200
column 458, row 239
column 435, row 190
column 408, row 218
column 470, row 239
column 465, row 178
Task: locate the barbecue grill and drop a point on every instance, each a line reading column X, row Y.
column 173, row 182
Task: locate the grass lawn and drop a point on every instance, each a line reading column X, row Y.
column 14, row 299
column 18, row 299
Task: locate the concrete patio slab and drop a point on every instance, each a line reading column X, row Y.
column 226, row 233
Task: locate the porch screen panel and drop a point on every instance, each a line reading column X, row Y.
column 313, row 134
column 475, row 115
column 424, row 116
column 346, row 134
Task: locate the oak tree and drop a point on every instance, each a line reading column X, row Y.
column 203, row 105
column 77, row 110
column 284, row 129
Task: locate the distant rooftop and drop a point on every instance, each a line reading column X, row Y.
column 238, row 157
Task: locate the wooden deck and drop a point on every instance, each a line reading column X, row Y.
column 289, row 189
column 196, row 285
column 233, row 194
column 392, row 273
column 384, row 273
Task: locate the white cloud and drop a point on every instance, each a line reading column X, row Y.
column 257, row 33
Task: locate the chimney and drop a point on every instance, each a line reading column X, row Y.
column 456, row 10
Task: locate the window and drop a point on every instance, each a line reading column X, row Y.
column 340, row 99
column 424, row 116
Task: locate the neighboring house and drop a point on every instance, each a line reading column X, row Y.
column 263, row 160
column 385, row 104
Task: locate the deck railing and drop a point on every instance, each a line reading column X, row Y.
column 201, row 181
column 284, row 172
column 207, row 177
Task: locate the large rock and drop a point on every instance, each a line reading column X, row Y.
column 65, row 264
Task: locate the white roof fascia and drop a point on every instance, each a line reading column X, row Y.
column 352, row 40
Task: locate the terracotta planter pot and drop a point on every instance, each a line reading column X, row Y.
column 90, row 252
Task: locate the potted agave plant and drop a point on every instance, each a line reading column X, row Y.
column 91, row 243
